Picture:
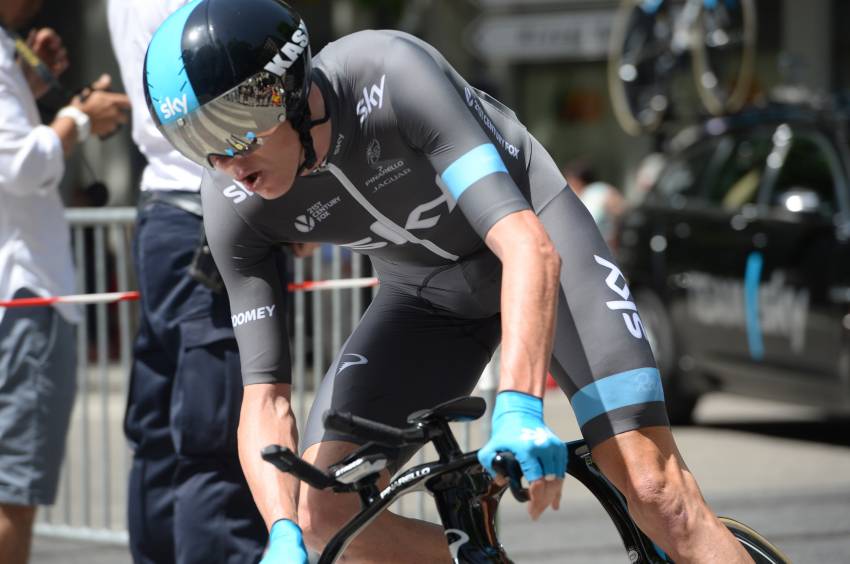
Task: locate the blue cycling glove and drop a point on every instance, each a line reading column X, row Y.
column 286, row 545
column 518, row 427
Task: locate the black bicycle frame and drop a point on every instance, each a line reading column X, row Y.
column 467, row 500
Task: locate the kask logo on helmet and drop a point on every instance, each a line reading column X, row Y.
column 290, row 52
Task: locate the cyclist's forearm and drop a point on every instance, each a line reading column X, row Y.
column 266, row 418
column 530, row 281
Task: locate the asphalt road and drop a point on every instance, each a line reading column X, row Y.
column 782, row 470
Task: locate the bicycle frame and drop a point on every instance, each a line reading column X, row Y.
column 467, row 501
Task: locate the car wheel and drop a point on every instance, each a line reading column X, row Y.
column 659, row 332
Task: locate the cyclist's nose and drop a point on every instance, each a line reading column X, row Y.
column 220, row 163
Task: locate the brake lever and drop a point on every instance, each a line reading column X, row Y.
column 506, row 465
column 287, row 461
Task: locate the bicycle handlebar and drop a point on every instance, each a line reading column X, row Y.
column 505, row 464
column 287, row 461
column 344, row 422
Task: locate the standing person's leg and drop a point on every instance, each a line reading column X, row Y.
column 150, row 494
column 602, row 360
column 402, row 357
column 16, row 523
column 189, row 499
column 216, row 519
column 37, row 390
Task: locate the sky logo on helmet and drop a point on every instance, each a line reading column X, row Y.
column 169, row 87
column 174, row 107
column 290, row 52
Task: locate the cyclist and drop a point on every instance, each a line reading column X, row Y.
column 378, row 145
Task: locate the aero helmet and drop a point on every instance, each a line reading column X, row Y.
column 217, row 72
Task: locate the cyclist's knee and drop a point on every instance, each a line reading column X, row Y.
column 321, row 514
column 665, row 497
column 646, row 468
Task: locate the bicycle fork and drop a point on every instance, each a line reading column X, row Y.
column 467, row 504
column 639, row 547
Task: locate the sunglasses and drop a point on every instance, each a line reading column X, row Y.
column 231, row 124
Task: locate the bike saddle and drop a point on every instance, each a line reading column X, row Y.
column 467, row 408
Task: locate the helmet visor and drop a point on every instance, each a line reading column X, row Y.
column 229, row 125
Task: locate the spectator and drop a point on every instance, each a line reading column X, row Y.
column 37, row 346
column 603, row 201
column 187, row 498
column 647, row 174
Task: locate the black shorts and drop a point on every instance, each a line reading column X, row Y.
column 407, row 355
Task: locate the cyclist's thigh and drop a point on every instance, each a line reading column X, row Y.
column 402, row 357
column 601, row 357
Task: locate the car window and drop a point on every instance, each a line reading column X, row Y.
column 683, row 175
column 738, row 176
column 806, row 176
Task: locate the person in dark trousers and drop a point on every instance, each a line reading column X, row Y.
column 188, row 501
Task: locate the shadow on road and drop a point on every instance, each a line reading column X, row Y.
column 832, row 431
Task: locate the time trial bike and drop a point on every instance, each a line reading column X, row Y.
column 466, row 497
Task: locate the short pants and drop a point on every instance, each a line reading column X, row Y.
column 37, row 389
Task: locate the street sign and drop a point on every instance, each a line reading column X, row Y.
column 574, row 35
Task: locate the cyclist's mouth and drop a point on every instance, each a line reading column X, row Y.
column 251, row 181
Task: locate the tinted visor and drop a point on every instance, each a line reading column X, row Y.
column 228, row 125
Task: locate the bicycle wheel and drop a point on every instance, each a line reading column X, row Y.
column 640, row 62
column 723, row 45
column 680, row 401
column 758, row 547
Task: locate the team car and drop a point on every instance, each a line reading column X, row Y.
column 739, row 260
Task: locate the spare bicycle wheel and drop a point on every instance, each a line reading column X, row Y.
column 640, row 65
column 723, row 45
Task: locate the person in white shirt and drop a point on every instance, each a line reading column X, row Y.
column 188, row 501
column 37, row 345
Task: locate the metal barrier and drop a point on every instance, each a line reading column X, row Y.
column 92, row 500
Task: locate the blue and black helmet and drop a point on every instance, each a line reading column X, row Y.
column 217, row 72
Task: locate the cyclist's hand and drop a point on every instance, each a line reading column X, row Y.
column 286, row 545
column 518, row 427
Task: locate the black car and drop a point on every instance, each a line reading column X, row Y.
column 739, row 260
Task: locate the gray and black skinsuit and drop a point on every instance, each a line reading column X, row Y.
column 421, row 166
